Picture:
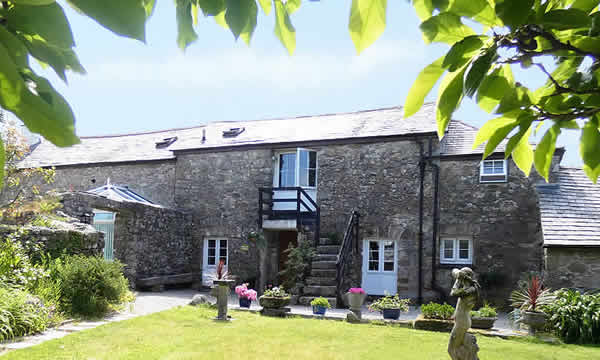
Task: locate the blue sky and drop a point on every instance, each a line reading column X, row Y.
column 132, row 87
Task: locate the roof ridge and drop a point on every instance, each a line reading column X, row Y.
column 464, row 123
column 398, row 107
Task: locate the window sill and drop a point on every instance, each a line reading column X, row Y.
column 454, row 265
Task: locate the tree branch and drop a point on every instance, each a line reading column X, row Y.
column 563, row 89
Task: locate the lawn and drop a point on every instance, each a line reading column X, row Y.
column 190, row 333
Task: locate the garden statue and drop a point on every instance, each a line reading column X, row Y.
column 221, row 291
column 462, row 345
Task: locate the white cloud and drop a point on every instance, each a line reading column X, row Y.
column 237, row 67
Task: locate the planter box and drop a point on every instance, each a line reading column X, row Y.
column 319, row 310
column 483, row 322
column 391, row 314
column 433, row 324
column 273, row 302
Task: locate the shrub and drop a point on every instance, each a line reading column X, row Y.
column 486, row 311
column 16, row 268
column 390, row 302
column 297, row 266
column 22, row 314
column 320, row 301
column 437, row 311
column 532, row 297
column 575, row 317
column 89, row 286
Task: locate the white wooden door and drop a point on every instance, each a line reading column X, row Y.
column 295, row 169
column 104, row 221
column 380, row 275
column 215, row 250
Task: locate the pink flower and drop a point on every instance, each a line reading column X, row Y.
column 356, row 291
column 242, row 291
column 239, row 290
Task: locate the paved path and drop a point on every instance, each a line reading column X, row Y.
column 148, row 303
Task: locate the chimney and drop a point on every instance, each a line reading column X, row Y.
column 203, row 135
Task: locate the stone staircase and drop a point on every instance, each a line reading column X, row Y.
column 322, row 280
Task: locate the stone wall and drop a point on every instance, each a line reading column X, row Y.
column 154, row 180
column 149, row 240
column 568, row 267
column 502, row 219
column 221, row 190
column 62, row 237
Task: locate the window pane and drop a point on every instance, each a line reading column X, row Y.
column 211, row 260
column 448, row 249
column 212, row 244
column 374, row 265
column 303, row 177
column 103, row 216
column 499, row 167
column 287, row 170
column 312, row 163
column 223, row 251
column 373, row 256
column 211, row 252
column 463, row 249
column 312, row 177
column 388, row 251
column 303, row 159
column 488, row 167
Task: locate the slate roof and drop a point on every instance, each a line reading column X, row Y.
column 570, row 210
column 119, row 193
column 142, row 146
column 459, row 140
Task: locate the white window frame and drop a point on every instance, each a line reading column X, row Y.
column 504, row 174
column 297, row 168
column 381, row 259
column 455, row 256
column 217, row 248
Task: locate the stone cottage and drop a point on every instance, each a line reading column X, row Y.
column 387, row 205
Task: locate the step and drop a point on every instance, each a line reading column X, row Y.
column 305, row 300
column 325, row 273
column 317, row 280
column 327, row 241
column 320, row 290
column 324, row 265
column 328, row 249
column 325, row 257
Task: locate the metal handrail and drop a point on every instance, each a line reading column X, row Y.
column 351, row 235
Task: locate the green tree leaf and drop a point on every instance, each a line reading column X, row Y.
column 248, row 30
column 284, row 30
column 523, row 154
column 426, row 80
column 424, row 8
column 212, row 7
column 494, row 126
column 33, row 2
column 59, row 59
column 2, row 161
column 367, row 22
column 544, row 151
column 525, row 119
column 461, row 52
column 149, row 7
column 123, row 17
column 240, row 16
column 514, row 12
column 16, row 50
column 445, row 28
column 479, row 68
column 185, row 24
column 589, row 148
column 479, row 10
column 47, row 21
column 449, row 96
column 266, row 6
column 563, row 19
column 292, row 5
column 494, row 87
column 585, row 5
column 47, row 118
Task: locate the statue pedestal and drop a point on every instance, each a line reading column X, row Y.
column 221, row 292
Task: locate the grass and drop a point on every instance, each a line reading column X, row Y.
column 190, row 333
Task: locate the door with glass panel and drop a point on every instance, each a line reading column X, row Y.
column 104, row 221
column 379, row 267
column 295, row 169
column 215, row 250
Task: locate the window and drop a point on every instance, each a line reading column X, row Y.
column 298, row 168
column 493, row 171
column 382, row 255
column 457, row 250
column 216, row 249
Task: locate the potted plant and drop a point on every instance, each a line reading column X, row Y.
column 274, row 298
column 484, row 318
column 245, row 295
column 529, row 301
column 435, row 317
column 320, row 305
column 390, row 306
column 354, row 299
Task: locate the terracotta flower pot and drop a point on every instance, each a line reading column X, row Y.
column 273, row 302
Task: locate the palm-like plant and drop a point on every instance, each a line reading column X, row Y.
column 532, row 297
